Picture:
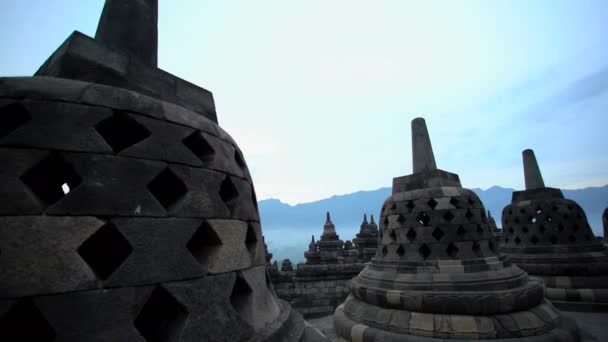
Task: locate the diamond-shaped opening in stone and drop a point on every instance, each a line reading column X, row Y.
column 24, row 322
column 476, row 248
column 162, row 318
column 393, row 235
column 424, row 251
column 461, row 231
column 228, row 191
column 570, row 207
column 383, row 208
column 554, row 208
column 385, row 221
column 432, row 203
column 542, row 229
column 566, row 216
column 572, row 238
column 548, row 218
column 201, row 148
column 448, row 216
column 532, row 219
column 238, row 158
column 479, row 229
column 49, row 178
column 522, row 211
column 12, row 116
column 587, row 237
column 423, row 218
column 534, row 239
column 384, row 251
column 470, row 200
column 506, row 240
column 204, row 243
column 511, row 230
column 167, row 188
column 560, row 227
column 454, row 202
column 517, row 240
column 411, row 234
column 241, row 295
column 410, row 206
column 524, row 229
column 516, row 220
column 452, row 250
column 538, row 211
column 394, row 206
column 553, row 239
column 121, row 131
column 251, row 240
column 438, row 234
column 400, row 251
column 468, row 214
column 105, row 250
column 400, row 219
column 510, row 212
column 575, row 227
column 491, row 245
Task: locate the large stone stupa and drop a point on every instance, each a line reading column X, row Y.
column 438, row 273
column 126, row 212
column 548, row 236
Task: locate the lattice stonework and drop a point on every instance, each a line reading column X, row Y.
column 127, row 213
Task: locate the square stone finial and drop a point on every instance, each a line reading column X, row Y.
column 131, row 26
column 532, row 175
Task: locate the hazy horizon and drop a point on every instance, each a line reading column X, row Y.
column 319, row 95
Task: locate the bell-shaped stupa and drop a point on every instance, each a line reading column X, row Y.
column 438, row 273
column 548, row 236
column 126, row 212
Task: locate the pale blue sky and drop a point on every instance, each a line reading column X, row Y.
column 320, row 94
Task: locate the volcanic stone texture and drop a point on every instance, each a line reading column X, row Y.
column 315, row 290
column 126, row 218
column 548, row 236
column 438, row 274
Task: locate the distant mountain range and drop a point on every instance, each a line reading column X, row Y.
column 348, row 210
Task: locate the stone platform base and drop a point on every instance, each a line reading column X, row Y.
column 585, row 300
column 443, row 327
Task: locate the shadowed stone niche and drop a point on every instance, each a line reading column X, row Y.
column 549, row 237
column 126, row 212
column 438, row 274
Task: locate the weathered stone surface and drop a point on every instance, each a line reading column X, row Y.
column 117, row 223
column 39, row 255
column 438, row 260
column 549, row 236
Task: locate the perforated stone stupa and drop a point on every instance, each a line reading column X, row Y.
column 437, row 272
column 126, row 212
column 366, row 240
column 548, row 236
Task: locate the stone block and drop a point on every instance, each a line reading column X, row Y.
column 39, row 255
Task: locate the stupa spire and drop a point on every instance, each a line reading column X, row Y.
column 532, row 175
column 372, row 219
column 132, row 26
column 328, row 219
column 365, row 219
column 422, row 150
